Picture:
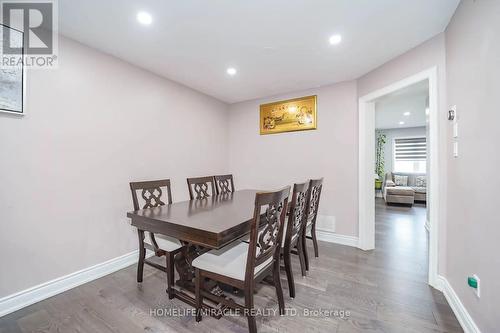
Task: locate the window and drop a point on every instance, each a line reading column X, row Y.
column 410, row 155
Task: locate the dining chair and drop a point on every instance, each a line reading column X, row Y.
column 224, row 184
column 201, row 187
column 315, row 186
column 241, row 264
column 162, row 245
column 294, row 228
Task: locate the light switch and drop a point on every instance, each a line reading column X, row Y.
column 455, row 129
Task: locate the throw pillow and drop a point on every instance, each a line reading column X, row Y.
column 421, row 181
column 401, row 180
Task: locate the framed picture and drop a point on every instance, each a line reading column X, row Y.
column 12, row 76
column 298, row 114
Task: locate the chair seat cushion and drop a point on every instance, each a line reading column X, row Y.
column 230, row 261
column 167, row 243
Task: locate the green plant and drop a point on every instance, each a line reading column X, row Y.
column 379, row 154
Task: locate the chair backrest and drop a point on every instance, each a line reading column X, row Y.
column 266, row 231
column 151, row 193
column 315, row 186
column 224, row 184
column 298, row 209
column 201, row 187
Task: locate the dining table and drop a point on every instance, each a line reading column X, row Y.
column 201, row 225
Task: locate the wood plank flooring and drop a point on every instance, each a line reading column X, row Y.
column 384, row 290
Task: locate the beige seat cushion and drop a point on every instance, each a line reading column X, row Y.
column 420, row 189
column 229, row 261
column 167, row 243
column 400, row 190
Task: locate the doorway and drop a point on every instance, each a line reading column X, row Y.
column 367, row 148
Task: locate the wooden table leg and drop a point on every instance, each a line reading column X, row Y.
column 186, row 272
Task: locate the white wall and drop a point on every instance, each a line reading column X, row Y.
column 92, row 126
column 393, row 133
column 473, row 68
column 331, row 151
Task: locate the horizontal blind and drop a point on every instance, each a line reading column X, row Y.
column 411, row 149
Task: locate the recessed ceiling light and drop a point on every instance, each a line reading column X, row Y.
column 144, row 18
column 231, row 71
column 407, row 113
column 335, row 39
column 401, row 123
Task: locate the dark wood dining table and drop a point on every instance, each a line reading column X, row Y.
column 202, row 224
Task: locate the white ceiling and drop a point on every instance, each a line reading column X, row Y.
column 390, row 109
column 277, row 46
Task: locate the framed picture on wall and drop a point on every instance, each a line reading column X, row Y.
column 12, row 76
column 298, row 114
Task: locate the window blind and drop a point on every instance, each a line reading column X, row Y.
column 411, row 149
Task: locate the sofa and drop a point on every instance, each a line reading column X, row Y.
column 396, row 190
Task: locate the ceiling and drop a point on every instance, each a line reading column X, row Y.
column 276, row 46
column 390, row 109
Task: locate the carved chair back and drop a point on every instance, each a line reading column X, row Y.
column 266, row 231
column 201, row 187
column 298, row 212
column 315, row 186
column 152, row 193
column 224, row 184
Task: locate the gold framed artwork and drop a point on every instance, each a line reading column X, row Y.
column 298, row 114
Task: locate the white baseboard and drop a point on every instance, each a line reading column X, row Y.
column 328, row 236
column 48, row 289
column 463, row 316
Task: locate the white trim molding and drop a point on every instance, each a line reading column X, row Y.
column 463, row 316
column 331, row 237
column 366, row 199
column 51, row 288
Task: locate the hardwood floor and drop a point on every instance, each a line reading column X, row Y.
column 384, row 290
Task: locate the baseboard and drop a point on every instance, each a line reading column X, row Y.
column 51, row 288
column 331, row 237
column 463, row 316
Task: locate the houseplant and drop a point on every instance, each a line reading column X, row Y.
column 379, row 159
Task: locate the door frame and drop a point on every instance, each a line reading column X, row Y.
column 366, row 188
